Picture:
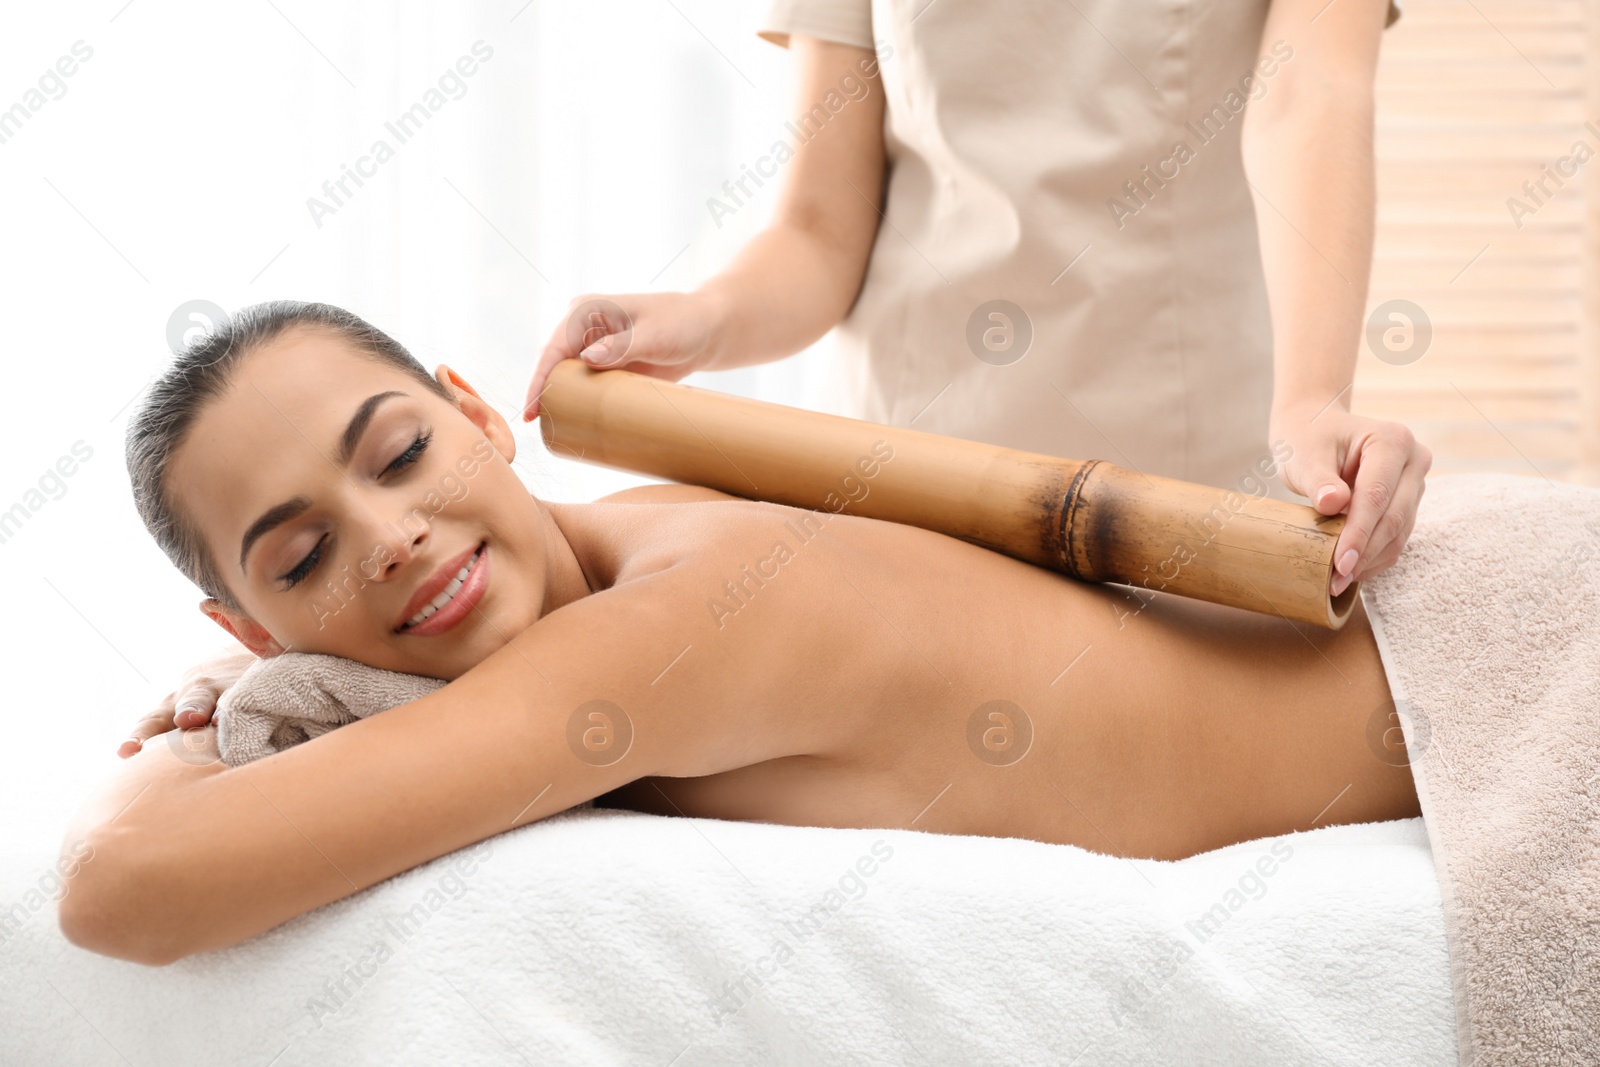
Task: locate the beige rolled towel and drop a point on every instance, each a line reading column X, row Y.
column 292, row 697
column 1489, row 630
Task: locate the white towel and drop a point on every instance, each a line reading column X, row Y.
column 609, row 937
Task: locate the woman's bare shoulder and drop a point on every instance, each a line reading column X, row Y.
column 639, row 531
column 664, row 493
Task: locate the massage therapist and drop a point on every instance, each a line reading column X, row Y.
column 1128, row 230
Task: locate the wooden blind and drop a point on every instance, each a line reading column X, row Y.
column 1475, row 98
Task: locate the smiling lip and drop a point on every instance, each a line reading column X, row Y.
column 459, row 606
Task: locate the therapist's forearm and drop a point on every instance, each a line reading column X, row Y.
column 787, row 287
column 1310, row 164
column 798, row 277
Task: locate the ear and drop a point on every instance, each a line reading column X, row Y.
column 483, row 416
column 246, row 630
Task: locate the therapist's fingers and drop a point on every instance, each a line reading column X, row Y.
column 548, row 358
column 664, row 335
column 1317, row 476
column 1388, row 464
column 1377, row 563
column 599, row 330
column 1395, row 525
column 1386, row 559
column 592, row 323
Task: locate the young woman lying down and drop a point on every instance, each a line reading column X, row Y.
column 293, row 467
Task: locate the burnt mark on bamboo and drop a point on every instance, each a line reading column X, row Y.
column 1069, row 534
column 1047, row 500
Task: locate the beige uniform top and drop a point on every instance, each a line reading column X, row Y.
column 1080, row 162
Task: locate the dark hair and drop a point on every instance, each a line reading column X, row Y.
column 202, row 372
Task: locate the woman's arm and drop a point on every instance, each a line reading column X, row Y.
column 196, row 857
column 796, row 278
column 1307, row 144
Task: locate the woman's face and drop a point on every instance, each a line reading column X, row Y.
column 338, row 495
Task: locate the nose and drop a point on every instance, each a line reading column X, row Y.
column 395, row 543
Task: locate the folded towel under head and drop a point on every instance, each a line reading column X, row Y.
column 292, row 697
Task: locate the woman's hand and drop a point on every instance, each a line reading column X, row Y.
column 664, row 335
column 194, row 701
column 1371, row 467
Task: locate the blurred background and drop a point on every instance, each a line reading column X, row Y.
column 178, row 163
column 1489, row 223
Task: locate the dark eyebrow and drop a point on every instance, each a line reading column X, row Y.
column 271, row 520
column 274, row 517
column 358, row 424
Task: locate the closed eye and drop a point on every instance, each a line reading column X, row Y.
column 307, row 565
column 411, row 454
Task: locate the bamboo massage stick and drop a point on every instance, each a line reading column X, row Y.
column 1090, row 519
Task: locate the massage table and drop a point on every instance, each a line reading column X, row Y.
column 611, row 937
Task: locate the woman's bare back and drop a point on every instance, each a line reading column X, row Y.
column 966, row 692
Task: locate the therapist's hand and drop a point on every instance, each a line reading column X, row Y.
column 1369, row 467
column 664, row 335
column 194, row 701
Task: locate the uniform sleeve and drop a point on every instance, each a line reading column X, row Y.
column 1394, row 14
column 844, row 21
